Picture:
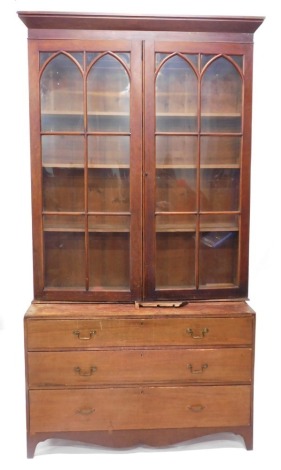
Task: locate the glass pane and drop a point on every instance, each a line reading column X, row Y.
column 193, row 58
column 109, row 260
column 175, row 223
column 175, row 258
column 239, row 60
column 219, row 189
column 109, row 190
column 62, row 151
column 176, row 151
column 160, row 56
column 220, row 151
column 218, row 258
column 64, row 259
column 108, row 96
column 219, row 222
column 79, row 56
column 107, row 223
column 90, row 56
column 61, row 88
column 176, row 97
column 205, row 58
column 43, row 56
column 221, row 102
column 63, row 223
column 124, row 56
column 175, row 190
column 63, row 189
column 109, row 151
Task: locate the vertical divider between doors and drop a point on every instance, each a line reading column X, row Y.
column 86, row 179
column 197, row 237
column 143, row 168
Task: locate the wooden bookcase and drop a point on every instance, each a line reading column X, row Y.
column 140, row 152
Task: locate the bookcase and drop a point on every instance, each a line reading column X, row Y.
column 140, row 157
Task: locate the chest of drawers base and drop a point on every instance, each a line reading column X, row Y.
column 144, row 437
column 117, row 376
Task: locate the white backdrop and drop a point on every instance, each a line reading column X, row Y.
column 265, row 245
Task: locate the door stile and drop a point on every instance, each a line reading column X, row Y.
column 136, row 169
column 149, row 171
column 36, row 166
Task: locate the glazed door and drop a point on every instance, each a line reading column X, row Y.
column 116, row 220
column 197, row 169
column 89, row 226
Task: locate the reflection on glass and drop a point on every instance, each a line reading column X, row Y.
column 61, row 88
column 109, row 151
column 220, row 151
column 173, row 151
column 108, row 190
column 64, row 259
column 175, row 260
column 62, row 151
column 109, row 261
column 219, row 189
column 176, row 96
column 175, row 190
column 63, row 189
column 108, row 96
column 221, row 100
column 218, row 258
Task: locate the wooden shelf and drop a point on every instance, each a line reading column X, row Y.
column 163, row 228
column 105, row 166
column 202, row 167
column 97, row 229
column 161, row 114
column 205, row 115
column 174, row 228
column 108, row 166
column 79, row 113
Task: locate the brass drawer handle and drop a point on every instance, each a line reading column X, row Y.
column 84, row 373
column 196, row 408
column 84, row 338
column 204, row 331
column 197, row 371
column 85, row 411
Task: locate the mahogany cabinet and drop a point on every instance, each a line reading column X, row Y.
column 140, row 157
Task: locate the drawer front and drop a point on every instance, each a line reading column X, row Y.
column 139, row 408
column 84, row 368
column 90, row 334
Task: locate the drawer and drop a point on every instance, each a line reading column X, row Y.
column 139, row 408
column 89, row 334
column 84, row 368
